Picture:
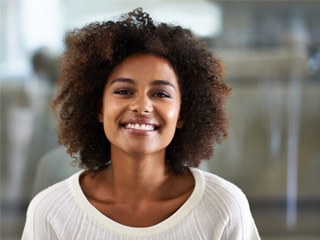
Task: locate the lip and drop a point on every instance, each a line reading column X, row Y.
column 146, row 126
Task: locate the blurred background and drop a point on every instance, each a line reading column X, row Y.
column 271, row 51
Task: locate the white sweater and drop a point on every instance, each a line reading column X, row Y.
column 216, row 209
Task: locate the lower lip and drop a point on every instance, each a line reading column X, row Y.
column 139, row 132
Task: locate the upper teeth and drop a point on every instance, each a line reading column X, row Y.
column 140, row 126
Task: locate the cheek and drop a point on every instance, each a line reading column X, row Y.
column 172, row 114
column 109, row 123
column 110, row 113
column 109, row 108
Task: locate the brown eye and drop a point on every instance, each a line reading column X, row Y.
column 123, row 92
column 162, row 95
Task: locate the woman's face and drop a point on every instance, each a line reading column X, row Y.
column 141, row 105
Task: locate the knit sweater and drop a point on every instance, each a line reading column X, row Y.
column 216, row 209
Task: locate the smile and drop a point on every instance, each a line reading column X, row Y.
column 143, row 127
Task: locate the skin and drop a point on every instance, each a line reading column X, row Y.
column 136, row 189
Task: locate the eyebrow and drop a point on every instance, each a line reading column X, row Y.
column 124, row 80
column 154, row 83
column 162, row 82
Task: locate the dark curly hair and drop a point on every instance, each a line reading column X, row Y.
column 92, row 53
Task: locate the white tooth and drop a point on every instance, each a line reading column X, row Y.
column 137, row 126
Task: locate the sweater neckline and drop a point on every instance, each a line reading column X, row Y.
column 170, row 222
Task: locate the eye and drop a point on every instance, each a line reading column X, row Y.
column 123, row 92
column 162, row 94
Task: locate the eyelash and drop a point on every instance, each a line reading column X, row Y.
column 123, row 92
column 160, row 94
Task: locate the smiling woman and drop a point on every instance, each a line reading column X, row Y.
column 142, row 104
column 97, row 49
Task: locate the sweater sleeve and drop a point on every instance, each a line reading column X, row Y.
column 36, row 225
column 241, row 225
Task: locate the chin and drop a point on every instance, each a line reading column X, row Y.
column 142, row 152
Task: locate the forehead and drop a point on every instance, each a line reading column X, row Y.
column 145, row 66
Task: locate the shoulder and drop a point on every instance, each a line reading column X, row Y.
column 49, row 209
column 226, row 203
column 220, row 188
column 52, row 198
column 222, row 196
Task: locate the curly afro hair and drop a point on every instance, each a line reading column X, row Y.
column 92, row 53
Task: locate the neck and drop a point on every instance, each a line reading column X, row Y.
column 137, row 176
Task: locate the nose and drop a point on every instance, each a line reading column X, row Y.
column 141, row 104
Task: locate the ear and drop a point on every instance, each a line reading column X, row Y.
column 100, row 117
column 180, row 122
column 100, row 113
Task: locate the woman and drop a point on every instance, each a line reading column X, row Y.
column 141, row 105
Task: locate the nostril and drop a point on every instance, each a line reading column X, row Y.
column 141, row 108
